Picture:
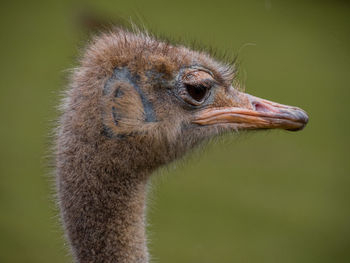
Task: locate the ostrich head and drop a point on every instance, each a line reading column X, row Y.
column 159, row 100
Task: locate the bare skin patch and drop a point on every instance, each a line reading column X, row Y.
column 121, row 91
column 123, row 74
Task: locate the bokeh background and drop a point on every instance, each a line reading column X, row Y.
column 265, row 197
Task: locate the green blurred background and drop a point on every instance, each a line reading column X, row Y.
column 266, row 197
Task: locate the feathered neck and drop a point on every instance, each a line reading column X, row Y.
column 102, row 206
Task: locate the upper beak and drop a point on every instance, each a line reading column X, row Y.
column 254, row 113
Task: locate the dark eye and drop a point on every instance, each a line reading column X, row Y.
column 197, row 92
column 195, row 86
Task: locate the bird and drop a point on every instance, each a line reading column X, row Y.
column 136, row 103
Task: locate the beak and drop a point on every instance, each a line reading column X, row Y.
column 252, row 113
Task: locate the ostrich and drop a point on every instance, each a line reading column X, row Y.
column 135, row 104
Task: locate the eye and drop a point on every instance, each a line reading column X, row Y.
column 197, row 92
column 195, row 87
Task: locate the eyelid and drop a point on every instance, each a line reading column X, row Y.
column 196, row 77
column 200, row 68
column 207, row 83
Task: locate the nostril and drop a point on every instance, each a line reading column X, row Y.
column 257, row 106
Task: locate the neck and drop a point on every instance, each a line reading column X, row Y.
column 103, row 211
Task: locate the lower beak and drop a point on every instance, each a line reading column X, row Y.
column 256, row 113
